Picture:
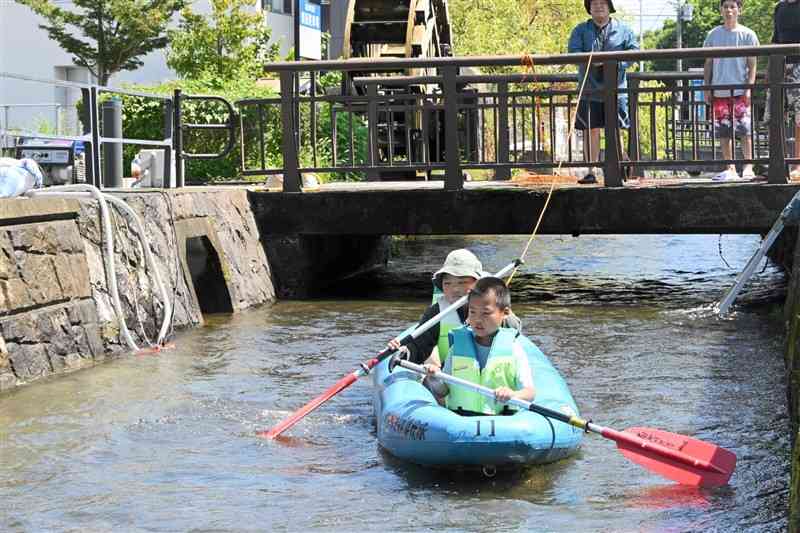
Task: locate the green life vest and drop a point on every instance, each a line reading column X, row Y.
column 449, row 322
column 500, row 370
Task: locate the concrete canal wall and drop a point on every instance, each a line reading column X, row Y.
column 792, row 316
column 56, row 311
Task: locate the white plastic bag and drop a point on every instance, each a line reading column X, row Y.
column 18, row 176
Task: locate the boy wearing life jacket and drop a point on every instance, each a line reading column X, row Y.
column 457, row 276
column 487, row 354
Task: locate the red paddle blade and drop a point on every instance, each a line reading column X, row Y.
column 307, row 408
column 677, row 457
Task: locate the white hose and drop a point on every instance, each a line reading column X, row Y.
column 151, row 263
column 89, row 191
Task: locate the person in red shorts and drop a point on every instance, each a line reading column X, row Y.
column 731, row 107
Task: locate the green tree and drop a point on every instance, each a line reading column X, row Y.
column 230, row 43
column 488, row 27
column 115, row 32
column 756, row 15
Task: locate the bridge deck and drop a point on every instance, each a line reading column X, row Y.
column 425, row 208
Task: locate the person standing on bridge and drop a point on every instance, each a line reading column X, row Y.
column 786, row 30
column 601, row 33
column 731, row 107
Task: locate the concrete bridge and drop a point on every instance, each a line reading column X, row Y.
column 502, row 208
column 450, row 121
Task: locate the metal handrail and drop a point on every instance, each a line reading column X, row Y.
column 630, row 56
column 501, row 100
column 172, row 143
column 229, row 126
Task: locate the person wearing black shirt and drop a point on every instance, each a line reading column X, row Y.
column 786, row 30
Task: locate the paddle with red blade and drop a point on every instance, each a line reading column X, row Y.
column 365, row 367
column 677, row 457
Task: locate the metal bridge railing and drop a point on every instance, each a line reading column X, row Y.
column 174, row 128
column 399, row 126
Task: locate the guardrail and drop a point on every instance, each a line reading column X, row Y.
column 174, row 129
column 399, row 125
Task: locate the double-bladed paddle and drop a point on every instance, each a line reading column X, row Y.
column 789, row 215
column 365, row 367
column 677, row 457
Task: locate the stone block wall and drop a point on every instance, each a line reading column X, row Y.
column 56, row 313
column 792, row 355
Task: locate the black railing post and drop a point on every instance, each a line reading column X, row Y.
column 291, row 174
column 86, row 119
column 177, row 136
column 112, row 151
column 502, row 173
column 169, row 116
column 777, row 136
column 611, row 167
column 372, row 130
column 633, row 132
column 97, row 180
column 453, row 179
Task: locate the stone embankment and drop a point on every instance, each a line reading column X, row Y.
column 792, row 316
column 56, row 312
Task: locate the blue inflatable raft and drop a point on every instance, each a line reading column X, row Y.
column 414, row 427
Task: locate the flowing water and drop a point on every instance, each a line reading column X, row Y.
column 166, row 442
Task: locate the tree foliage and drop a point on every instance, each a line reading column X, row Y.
column 507, row 27
column 107, row 36
column 756, row 15
column 230, row 43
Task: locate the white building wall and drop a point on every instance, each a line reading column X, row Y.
column 26, row 50
column 282, row 31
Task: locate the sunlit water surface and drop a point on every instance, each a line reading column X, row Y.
column 166, row 442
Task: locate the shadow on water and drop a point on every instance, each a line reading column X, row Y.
column 681, row 270
column 527, row 482
column 576, row 290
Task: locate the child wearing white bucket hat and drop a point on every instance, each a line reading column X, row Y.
column 459, row 273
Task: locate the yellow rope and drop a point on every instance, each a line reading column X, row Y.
column 527, row 62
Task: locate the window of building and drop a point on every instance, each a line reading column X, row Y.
column 277, row 6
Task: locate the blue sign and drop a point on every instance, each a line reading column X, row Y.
column 310, row 15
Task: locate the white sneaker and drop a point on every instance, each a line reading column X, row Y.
column 726, row 175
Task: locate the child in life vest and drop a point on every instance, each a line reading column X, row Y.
column 460, row 271
column 486, row 353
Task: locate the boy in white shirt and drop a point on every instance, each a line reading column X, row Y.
column 731, row 107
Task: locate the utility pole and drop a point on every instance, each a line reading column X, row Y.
column 641, row 35
column 296, row 14
column 680, row 33
column 685, row 14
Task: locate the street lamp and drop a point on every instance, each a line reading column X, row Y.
column 641, row 36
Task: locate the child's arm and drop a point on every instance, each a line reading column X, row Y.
column 752, row 63
column 708, row 70
column 420, row 348
column 438, row 387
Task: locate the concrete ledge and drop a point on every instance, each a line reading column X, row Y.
column 726, row 208
column 15, row 211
